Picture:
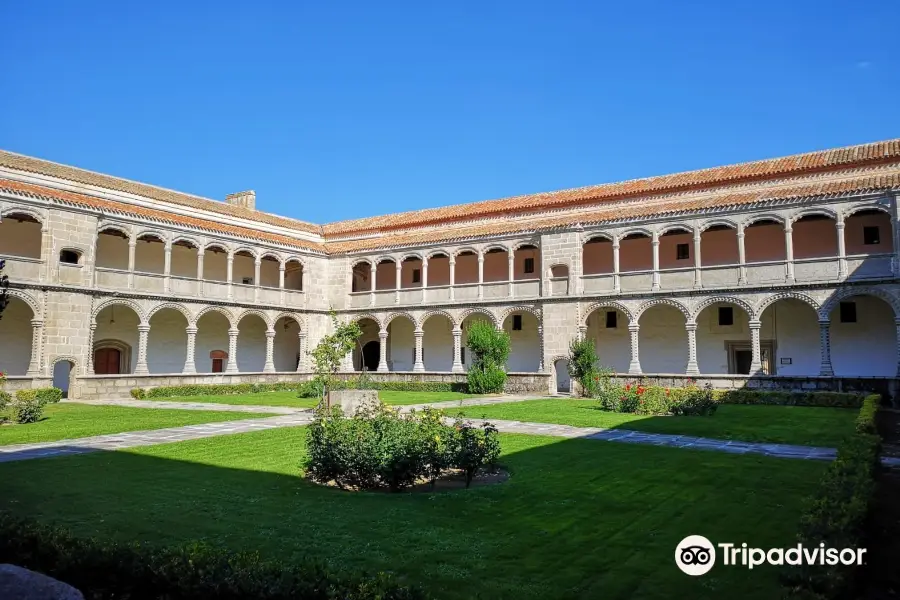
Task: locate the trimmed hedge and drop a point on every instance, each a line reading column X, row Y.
column 213, row 389
column 837, row 512
column 311, row 389
column 827, row 399
column 43, row 395
column 106, row 570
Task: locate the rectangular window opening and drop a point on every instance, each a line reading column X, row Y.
column 417, row 276
column 726, row 316
column 848, row 312
column 871, row 236
column 682, row 251
column 612, row 318
column 529, row 265
column 517, row 323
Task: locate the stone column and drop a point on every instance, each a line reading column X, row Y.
column 373, row 275
column 37, row 338
column 269, row 366
column 480, row 276
column 424, row 280
column 897, row 326
column 511, row 271
column 301, row 362
column 89, row 363
column 304, row 279
column 692, row 368
column 257, row 264
column 419, row 365
column 617, row 286
column 143, row 333
column 132, row 244
column 167, row 267
column 229, row 276
column 842, row 248
column 382, row 351
column 698, row 283
column 789, row 252
column 582, row 331
column 755, row 351
column 232, row 350
column 634, row 367
column 47, row 251
column 190, row 365
column 742, row 258
column 200, row 254
column 825, row 348
column 540, row 331
column 452, row 278
column 654, row 241
column 457, row 350
column 398, row 281
column 347, row 363
column 895, row 235
column 281, row 280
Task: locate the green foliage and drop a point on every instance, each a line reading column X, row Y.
column 644, row 399
column 177, row 391
column 106, row 570
column 833, row 399
column 5, row 399
column 865, row 420
column 4, row 286
column 332, row 349
column 380, row 448
column 138, row 393
column 583, row 366
column 313, row 388
column 490, row 350
column 837, row 513
column 50, row 395
column 27, row 408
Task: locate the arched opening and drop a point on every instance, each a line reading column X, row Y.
column 287, row 345
column 635, row 253
column 385, row 275
column 466, row 269
column 524, row 342
column 269, row 271
column 15, row 337
column 293, row 275
column 150, row 254
column 764, row 241
column 563, row 380
column 465, row 353
column 369, row 336
column 212, row 336
column 251, row 344
column 184, row 259
column 64, row 376
column 411, row 272
column 361, row 277
column 496, row 265
column 112, row 249
column 20, row 236
column 597, row 256
column 167, row 341
column 527, row 262
column 608, row 328
column 868, row 232
column 371, row 353
column 676, row 249
column 438, row 269
column 243, row 271
column 401, row 344
column 215, row 263
column 719, row 245
column 116, row 334
column 69, row 257
column 437, row 343
column 792, row 326
column 662, row 341
column 863, row 337
column 815, row 236
column 219, row 361
column 723, row 341
column 559, row 280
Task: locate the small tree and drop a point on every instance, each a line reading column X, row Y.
column 331, row 350
column 490, row 349
column 4, row 286
column 583, row 364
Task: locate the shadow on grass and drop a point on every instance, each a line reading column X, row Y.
column 577, row 518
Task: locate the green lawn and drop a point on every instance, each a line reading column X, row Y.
column 577, row 519
column 291, row 399
column 68, row 421
column 780, row 424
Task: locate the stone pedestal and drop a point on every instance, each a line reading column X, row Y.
column 351, row 400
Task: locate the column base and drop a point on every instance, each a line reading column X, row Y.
column 231, row 369
column 269, row 368
column 141, row 370
column 382, row 369
column 189, row 369
column 755, row 368
column 457, row 369
column 634, row 368
column 692, row 370
column 826, row 371
column 418, row 368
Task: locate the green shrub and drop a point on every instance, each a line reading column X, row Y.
column 865, row 420
column 474, row 448
column 583, row 365
column 27, row 408
column 5, row 399
column 49, row 395
column 213, row 389
column 107, row 570
column 490, row 350
column 828, row 399
column 313, row 389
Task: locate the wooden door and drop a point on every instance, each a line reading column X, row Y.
column 106, row 361
column 217, row 365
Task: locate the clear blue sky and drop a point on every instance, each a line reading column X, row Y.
column 334, row 110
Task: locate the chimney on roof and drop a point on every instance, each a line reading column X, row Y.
column 246, row 199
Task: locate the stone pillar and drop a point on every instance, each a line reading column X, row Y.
column 304, row 279
column 189, row 363
column 228, row 278
column 654, row 241
column 457, row 350
column 452, row 278
column 895, row 233
column 257, row 264
column 582, row 331
column 634, row 367
column 37, row 338
column 132, row 244
column 755, row 351
column 540, row 331
column 789, row 252
column 347, row 363
column 269, row 366
column 232, row 350
column 301, row 362
column 511, row 272
column 373, row 275
column 47, row 251
column 143, row 333
column 897, row 326
column 742, row 257
column 480, row 276
column 167, row 267
column 200, row 255
column 419, row 365
column 398, row 280
column 617, row 286
column 842, row 248
column 825, row 348
column 424, row 280
column 698, row 283
column 89, row 363
column 281, row 276
column 692, row 368
column 382, row 351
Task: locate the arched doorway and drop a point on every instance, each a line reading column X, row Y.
column 63, row 376
column 371, row 355
column 563, row 381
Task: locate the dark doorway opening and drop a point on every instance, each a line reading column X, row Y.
column 371, row 355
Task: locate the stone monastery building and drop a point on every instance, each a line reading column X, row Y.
column 777, row 269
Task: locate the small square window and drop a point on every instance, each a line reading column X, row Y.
column 611, row 319
column 682, row 251
column 517, row 322
column 417, row 276
column 247, row 280
column 529, row 265
column 726, row 316
column 848, row 312
column 871, row 236
column 70, row 257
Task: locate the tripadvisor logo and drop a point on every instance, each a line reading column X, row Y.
column 696, row 555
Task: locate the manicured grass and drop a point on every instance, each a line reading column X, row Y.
column 779, row 424
column 577, row 519
column 68, row 421
column 291, row 399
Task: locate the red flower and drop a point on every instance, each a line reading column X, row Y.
column 667, row 391
column 628, row 387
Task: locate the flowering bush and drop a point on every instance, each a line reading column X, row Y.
column 643, row 399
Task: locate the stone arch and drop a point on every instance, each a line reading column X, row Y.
column 24, row 210
column 249, row 250
column 516, row 245
column 494, row 246
column 114, row 227
column 443, row 313
column 763, row 217
column 523, row 308
column 174, row 306
column 768, row 301
column 829, row 305
column 459, row 251
column 295, row 317
column 718, row 223
column 636, row 231
column 186, row 238
column 606, row 235
column 359, row 260
column 154, row 232
column 28, row 299
column 852, row 210
column 294, row 257
column 668, row 302
column 607, row 304
column 70, row 386
column 481, row 311
column 667, row 227
column 410, row 255
column 560, row 385
column 358, row 318
column 392, row 316
column 549, row 269
column 223, row 311
column 809, row 212
column 252, row 311
column 431, row 253
column 120, row 302
column 220, row 245
column 707, row 302
column 63, row 357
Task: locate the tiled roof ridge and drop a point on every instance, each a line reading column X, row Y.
column 112, row 206
column 40, row 166
column 711, row 177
